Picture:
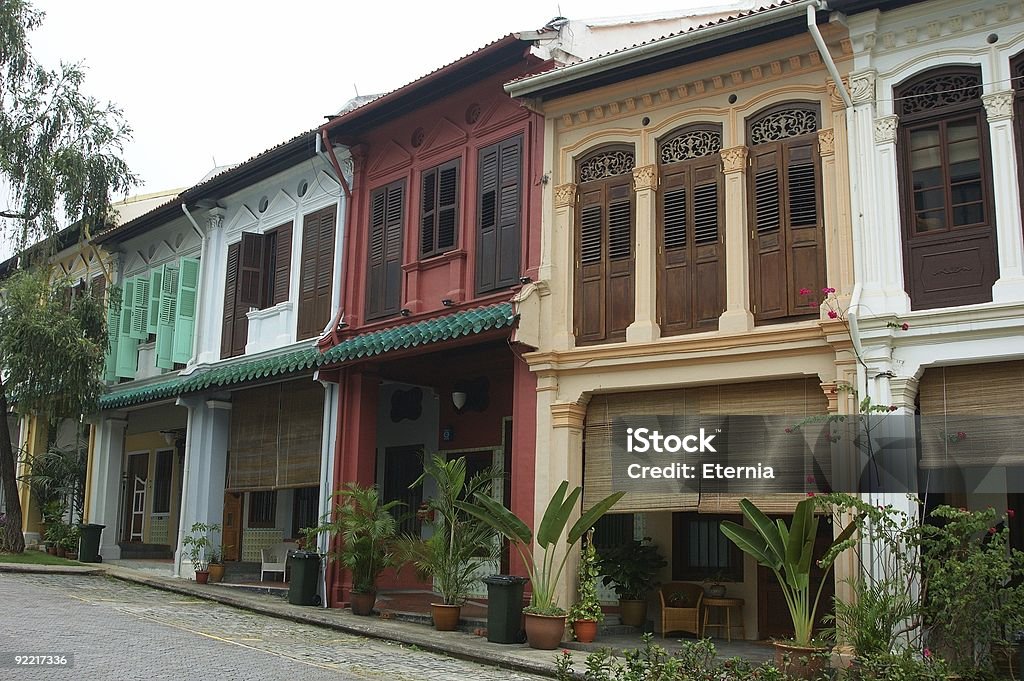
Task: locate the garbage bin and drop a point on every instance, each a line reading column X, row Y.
column 505, row 608
column 305, row 567
column 89, row 549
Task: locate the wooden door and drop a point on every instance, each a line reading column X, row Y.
column 402, row 467
column 232, row 534
column 135, row 495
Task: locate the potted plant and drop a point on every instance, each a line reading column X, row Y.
column 631, row 569
column 789, row 553
column 215, row 563
column 715, row 587
column 586, row 613
column 458, row 546
column 366, row 530
column 199, row 549
column 70, row 542
column 545, row 620
column 54, row 537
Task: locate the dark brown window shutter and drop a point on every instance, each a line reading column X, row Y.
column 384, row 257
column 282, row 264
column 98, row 287
column 768, row 247
column 316, row 271
column 805, row 237
column 500, row 215
column 439, row 206
column 620, row 258
column 708, row 243
column 230, row 289
column 250, row 286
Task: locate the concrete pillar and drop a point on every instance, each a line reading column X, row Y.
column 999, row 111
column 564, row 462
column 737, row 316
column 645, row 262
column 206, row 457
column 105, row 464
column 209, row 319
column 524, row 450
column 562, row 278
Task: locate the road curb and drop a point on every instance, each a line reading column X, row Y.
column 469, row 650
column 34, row 569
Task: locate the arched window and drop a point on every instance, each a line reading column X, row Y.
column 787, row 234
column 691, row 234
column 949, row 246
column 604, row 245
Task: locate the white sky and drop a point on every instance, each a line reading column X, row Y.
column 221, row 80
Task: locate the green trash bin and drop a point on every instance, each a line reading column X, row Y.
column 305, row 567
column 505, row 608
column 89, row 549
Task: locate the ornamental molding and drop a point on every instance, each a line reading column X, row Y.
column 565, row 194
column 690, row 144
column 645, row 177
column 783, row 124
column 998, row 106
column 929, row 28
column 834, row 96
column 734, row 159
column 885, row 129
column 827, row 142
column 606, row 164
column 568, row 415
column 862, row 87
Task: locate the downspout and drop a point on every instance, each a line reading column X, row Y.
column 328, row 443
column 323, row 141
column 203, row 267
column 826, row 56
column 186, row 470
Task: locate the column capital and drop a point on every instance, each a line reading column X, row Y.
column 862, row 87
column 835, row 98
column 215, row 219
column 734, row 159
column 645, row 177
column 885, row 129
column 904, row 392
column 827, row 142
column 998, row 106
column 565, row 194
column 568, row 415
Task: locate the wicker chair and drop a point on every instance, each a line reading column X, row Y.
column 681, row 607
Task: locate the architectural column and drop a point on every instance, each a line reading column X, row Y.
column 645, row 261
column 524, row 449
column 830, row 204
column 737, row 316
column 105, row 464
column 835, row 150
column 206, row 458
column 211, row 291
column 565, row 463
column 560, row 307
column 1006, row 193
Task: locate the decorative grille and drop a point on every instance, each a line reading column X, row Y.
column 690, row 145
column 607, row 164
column 780, row 125
column 939, row 91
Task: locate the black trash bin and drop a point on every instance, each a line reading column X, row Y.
column 305, row 567
column 89, row 549
column 505, row 608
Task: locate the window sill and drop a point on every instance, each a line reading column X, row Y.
column 268, row 312
column 435, row 261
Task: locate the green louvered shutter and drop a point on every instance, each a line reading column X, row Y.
column 185, row 321
column 154, row 299
column 166, row 315
column 140, row 309
column 113, row 333
column 127, row 347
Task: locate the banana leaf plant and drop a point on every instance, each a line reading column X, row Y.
column 545, row 569
column 788, row 551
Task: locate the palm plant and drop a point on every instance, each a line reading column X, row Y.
column 367, row 532
column 458, row 547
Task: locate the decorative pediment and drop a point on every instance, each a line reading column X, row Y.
column 134, row 263
column 500, row 112
column 243, row 219
column 391, row 157
column 445, row 135
column 322, row 185
column 281, row 203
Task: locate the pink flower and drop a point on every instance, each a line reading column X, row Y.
column 827, row 290
column 810, row 478
column 991, row 530
column 789, row 430
column 805, row 291
column 810, row 494
column 893, row 407
column 565, row 651
column 927, row 652
column 832, row 314
column 905, row 326
column 1010, row 513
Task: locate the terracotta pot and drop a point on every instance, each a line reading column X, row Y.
column 71, row 555
column 362, row 604
column 633, row 613
column 202, row 576
column 544, row 632
column 585, row 630
column 61, row 551
column 217, row 572
column 805, row 662
column 446, row 617
column 52, row 550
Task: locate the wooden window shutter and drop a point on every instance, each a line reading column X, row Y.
column 230, row 289
column 591, row 266
column 620, row 258
column 167, row 306
column 675, row 289
column 439, row 205
column 140, row 309
column 127, row 346
column 185, row 309
column 805, row 237
column 248, row 289
column 767, row 255
column 384, row 258
column 499, row 199
column 113, row 336
column 153, row 312
column 98, row 288
column 316, row 271
column 282, row 264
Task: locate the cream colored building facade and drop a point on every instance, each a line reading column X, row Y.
column 711, row 117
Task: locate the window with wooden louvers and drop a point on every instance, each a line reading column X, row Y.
column 316, row 274
column 384, row 258
column 439, row 209
column 227, row 334
column 787, row 231
column 691, row 268
column 949, row 246
column 604, row 304
column 499, row 198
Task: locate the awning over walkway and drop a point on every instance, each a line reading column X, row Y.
column 250, row 370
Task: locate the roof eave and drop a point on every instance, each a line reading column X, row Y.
column 542, row 83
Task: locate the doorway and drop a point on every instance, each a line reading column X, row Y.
column 137, row 481
column 231, row 545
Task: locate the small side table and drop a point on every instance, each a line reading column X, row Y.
column 726, row 604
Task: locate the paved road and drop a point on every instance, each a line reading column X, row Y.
column 123, row 631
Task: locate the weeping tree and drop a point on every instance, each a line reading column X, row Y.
column 60, row 162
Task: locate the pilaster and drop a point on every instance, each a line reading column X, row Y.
column 645, row 263
column 105, row 464
column 737, row 316
column 999, row 111
column 566, row 463
column 211, row 298
column 563, row 278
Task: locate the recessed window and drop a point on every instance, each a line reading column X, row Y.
column 439, row 214
column 700, row 551
column 263, row 509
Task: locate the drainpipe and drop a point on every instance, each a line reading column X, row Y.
column 203, row 267
column 328, row 439
column 322, row 142
column 185, row 474
column 826, row 56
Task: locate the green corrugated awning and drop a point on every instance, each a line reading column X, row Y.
column 438, row 329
